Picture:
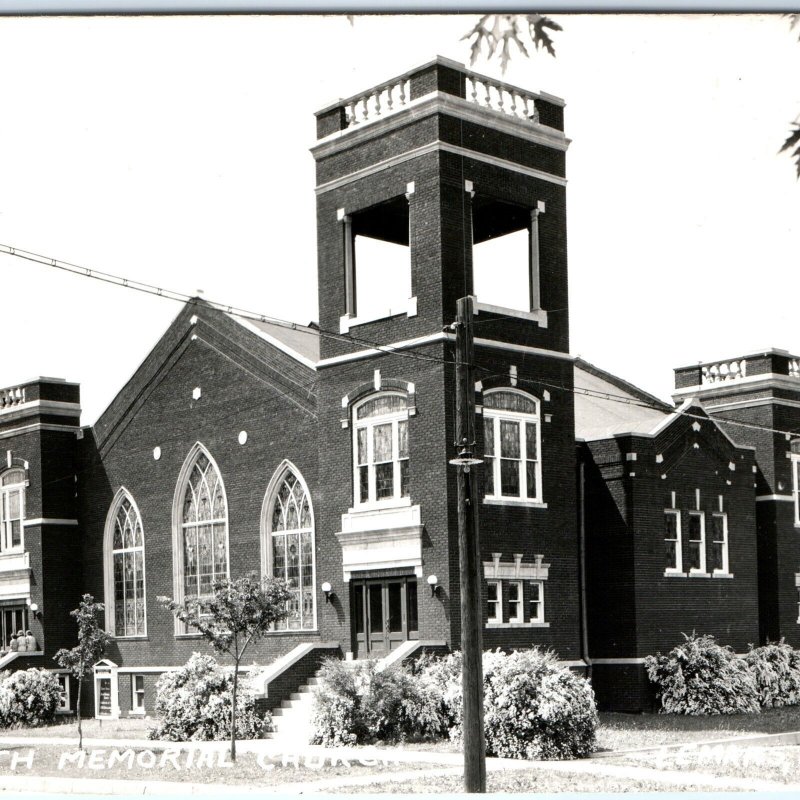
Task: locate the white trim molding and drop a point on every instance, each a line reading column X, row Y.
column 29, row 523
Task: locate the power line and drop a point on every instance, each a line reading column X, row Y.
column 242, row 313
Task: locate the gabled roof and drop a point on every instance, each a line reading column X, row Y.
column 606, row 405
column 299, row 341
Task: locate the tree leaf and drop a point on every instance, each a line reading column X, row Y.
column 498, row 35
column 793, row 141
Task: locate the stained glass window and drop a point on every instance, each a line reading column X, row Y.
column 511, row 446
column 128, row 571
column 293, row 551
column 12, row 504
column 381, row 453
column 205, row 530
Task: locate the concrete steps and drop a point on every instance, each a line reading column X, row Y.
column 291, row 721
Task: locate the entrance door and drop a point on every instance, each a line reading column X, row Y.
column 384, row 615
column 14, row 620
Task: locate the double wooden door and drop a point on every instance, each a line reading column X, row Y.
column 384, row 614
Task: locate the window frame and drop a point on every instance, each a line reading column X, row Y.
column 137, row 708
column 497, row 602
column 64, row 695
column 267, row 535
column 701, row 570
column 6, row 491
column 519, row 617
column 539, row 602
column 108, row 564
column 394, row 418
column 796, row 487
column 725, row 569
column 181, row 486
column 678, row 568
column 497, row 416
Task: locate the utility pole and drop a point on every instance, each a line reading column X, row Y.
column 469, row 561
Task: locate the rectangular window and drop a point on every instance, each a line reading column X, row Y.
column 488, row 454
column 63, row 692
column 378, row 261
column 672, row 541
column 515, row 602
column 505, row 254
column 719, row 543
column 537, row 601
column 11, row 516
column 796, row 487
column 494, row 602
column 509, row 458
column 137, row 694
column 697, row 541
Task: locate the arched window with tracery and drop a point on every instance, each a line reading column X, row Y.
column 289, row 544
column 12, row 510
column 126, row 613
column 203, row 528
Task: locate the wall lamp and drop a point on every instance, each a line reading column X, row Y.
column 433, row 582
column 35, row 611
column 328, row 591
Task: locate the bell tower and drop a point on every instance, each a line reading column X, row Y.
column 437, row 184
column 434, row 185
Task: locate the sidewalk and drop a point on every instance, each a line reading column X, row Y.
column 441, row 764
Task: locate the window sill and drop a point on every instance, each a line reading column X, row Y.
column 538, row 315
column 292, row 632
column 698, row 574
column 144, row 638
column 387, row 505
column 409, row 310
column 674, row 574
column 133, row 713
column 716, row 574
column 188, row 635
column 517, row 624
column 513, row 501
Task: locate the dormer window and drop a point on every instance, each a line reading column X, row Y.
column 12, row 511
column 380, row 450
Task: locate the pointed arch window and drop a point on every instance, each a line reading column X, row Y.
column 126, row 613
column 12, row 510
column 290, row 547
column 204, row 529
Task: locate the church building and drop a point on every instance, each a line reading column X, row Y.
column 319, row 454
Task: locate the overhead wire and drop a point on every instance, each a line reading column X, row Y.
column 242, row 313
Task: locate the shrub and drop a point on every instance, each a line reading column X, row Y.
column 28, row 697
column 535, row 708
column 193, row 703
column 776, row 671
column 354, row 703
column 702, row 677
column 337, row 716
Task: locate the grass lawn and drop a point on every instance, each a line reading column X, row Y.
column 183, row 767
column 632, row 731
column 66, row 726
column 778, row 764
column 512, row 782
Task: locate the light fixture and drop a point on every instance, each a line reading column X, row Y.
column 328, row 590
column 34, row 610
column 465, row 459
column 433, row 582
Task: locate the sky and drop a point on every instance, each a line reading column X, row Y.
column 175, row 151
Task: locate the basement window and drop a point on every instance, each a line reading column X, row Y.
column 505, row 255
column 378, row 262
